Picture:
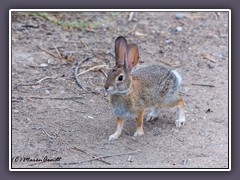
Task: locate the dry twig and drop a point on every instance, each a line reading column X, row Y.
column 129, row 32
column 199, row 84
column 56, row 98
column 103, row 72
column 184, row 93
column 93, row 156
column 50, row 53
column 76, row 71
column 57, row 51
column 98, row 67
column 96, row 158
column 208, row 57
column 47, row 77
column 169, row 64
column 84, row 44
column 131, row 14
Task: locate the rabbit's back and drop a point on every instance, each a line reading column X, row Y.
column 158, row 84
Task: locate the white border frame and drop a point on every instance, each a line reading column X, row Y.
column 119, row 10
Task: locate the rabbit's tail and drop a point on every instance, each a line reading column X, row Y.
column 179, row 78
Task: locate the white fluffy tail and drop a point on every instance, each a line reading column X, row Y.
column 179, row 78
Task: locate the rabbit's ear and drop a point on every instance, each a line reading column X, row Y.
column 132, row 56
column 120, row 50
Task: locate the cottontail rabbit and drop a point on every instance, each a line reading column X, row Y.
column 132, row 92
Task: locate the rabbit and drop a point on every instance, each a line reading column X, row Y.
column 133, row 90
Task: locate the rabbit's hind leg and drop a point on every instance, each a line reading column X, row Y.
column 180, row 113
column 180, row 121
column 139, row 123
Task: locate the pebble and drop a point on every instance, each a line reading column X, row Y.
column 50, row 61
column 80, row 35
column 179, row 16
column 179, row 28
column 185, row 161
column 223, row 35
column 43, row 65
column 129, row 159
column 15, row 111
column 47, row 91
column 211, row 66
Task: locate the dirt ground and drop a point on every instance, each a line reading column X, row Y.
column 54, row 119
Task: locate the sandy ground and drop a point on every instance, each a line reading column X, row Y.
column 56, row 124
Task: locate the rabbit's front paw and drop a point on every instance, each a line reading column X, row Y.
column 113, row 137
column 139, row 132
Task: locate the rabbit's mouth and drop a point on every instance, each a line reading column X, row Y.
column 112, row 90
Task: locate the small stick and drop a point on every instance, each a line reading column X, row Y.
column 168, row 64
column 129, row 32
column 76, row 71
column 92, row 68
column 57, row 98
column 130, row 16
column 208, row 57
column 50, row 53
column 84, row 44
column 96, row 158
column 47, row 133
column 47, row 77
column 103, row 72
column 216, row 16
column 101, row 160
column 199, row 84
column 36, row 83
column 100, row 157
column 181, row 92
column 29, row 84
column 57, row 51
column 69, row 109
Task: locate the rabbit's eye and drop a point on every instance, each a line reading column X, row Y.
column 120, row 78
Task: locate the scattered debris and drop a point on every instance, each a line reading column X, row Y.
column 97, row 158
column 132, row 30
column 93, row 156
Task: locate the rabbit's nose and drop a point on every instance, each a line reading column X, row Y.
column 108, row 88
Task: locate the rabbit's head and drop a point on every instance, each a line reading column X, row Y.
column 119, row 78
